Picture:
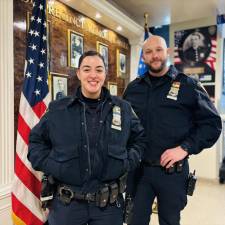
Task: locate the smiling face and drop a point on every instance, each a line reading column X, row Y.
column 91, row 74
column 155, row 54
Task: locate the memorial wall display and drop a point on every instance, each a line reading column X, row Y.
column 195, row 55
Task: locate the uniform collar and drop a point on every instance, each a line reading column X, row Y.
column 77, row 96
column 172, row 73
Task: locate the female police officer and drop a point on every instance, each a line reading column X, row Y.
column 87, row 143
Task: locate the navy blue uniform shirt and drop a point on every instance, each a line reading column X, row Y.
column 175, row 110
column 77, row 151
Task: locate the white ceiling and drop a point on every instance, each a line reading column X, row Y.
column 163, row 12
column 130, row 13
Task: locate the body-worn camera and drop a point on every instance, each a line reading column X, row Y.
column 128, row 211
column 191, row 183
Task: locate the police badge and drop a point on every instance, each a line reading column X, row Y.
column 173, row 93
column 116, row 120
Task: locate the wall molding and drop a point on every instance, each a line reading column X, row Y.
column 6, row 92
column 5, row 191
column 6, row 107
column 5, row 208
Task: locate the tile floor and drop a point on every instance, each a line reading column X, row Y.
column 205, row 207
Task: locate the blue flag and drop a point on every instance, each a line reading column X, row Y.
column 220, row 19
column 142, row 67
column 35, row 87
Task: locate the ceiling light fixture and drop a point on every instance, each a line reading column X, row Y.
column 119, row 28
column 82, row 19
column 51, row 2
column 98, row 15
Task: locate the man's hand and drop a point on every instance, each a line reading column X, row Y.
column 170, row 156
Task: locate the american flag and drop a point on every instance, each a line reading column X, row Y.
column 26, row 208
column 142, row 67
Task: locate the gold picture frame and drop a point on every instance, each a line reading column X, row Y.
column 103, row 49
column 75, row 47
column 121, row 63
column 59, row 85
column 113, row 88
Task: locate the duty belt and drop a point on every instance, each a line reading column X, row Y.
column 108, row 193
column 177, row 167
column 151, row 163
column 66, row 194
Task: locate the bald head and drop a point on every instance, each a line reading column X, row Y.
column 155, row 55
column 154, row 40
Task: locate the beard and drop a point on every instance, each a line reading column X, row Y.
column 159, row 69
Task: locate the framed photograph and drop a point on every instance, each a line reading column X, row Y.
column 104, row 51
column 59, row 85
column 112, row 86
column 121, row 64
column 75, row 48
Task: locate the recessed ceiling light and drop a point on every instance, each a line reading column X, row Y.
column 82, row 19
column 51, row 2
column 98, row 16
column 119, row 28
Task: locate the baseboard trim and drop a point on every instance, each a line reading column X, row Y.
column 5, row 191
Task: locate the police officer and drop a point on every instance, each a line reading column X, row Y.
column 197, row 51
column 60, row 93
column 87, row 143
column 179, row 120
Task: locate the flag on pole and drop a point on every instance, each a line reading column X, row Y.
column 26, row 207
column 142, row 67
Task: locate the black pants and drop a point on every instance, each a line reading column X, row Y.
column 170, row 190
column 84, row 213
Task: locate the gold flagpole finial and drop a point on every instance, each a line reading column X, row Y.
column 146, row 18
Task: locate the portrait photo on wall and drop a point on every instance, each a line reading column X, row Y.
column 104, row 51
column 112, row 86
column 75, row 48
column 121, row 64
column 195, row 53
column 59, row 85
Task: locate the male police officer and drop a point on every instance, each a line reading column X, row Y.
column 88, row 143
column 179, row 120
